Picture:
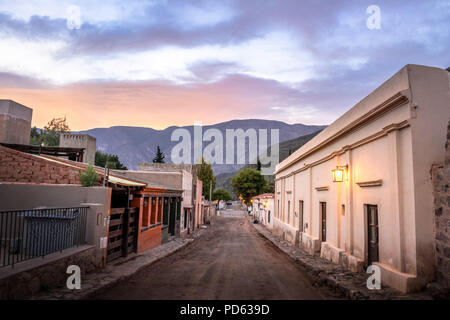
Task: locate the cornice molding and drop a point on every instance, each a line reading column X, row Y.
column 394, row 101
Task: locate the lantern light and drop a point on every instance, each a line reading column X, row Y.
column 339, row 174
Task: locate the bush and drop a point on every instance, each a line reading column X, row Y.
column 89, row 178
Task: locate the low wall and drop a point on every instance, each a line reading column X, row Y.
column 149, row 239
column 36, row 274
column 41, row 274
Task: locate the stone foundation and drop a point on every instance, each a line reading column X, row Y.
column 331, row 253
column 285, row 232
column 351, row 262
column 310, row 244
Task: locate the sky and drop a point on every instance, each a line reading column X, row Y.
column 163, row 63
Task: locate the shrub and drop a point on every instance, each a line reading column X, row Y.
column 88, row 178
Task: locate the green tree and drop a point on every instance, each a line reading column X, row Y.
column 49, row 136
column 89, row 178
column 205, row 173
column 111, row 161
column 258, row 165
column 159, row 158
column 35, row 137
column 221, row 194
column 249, row 183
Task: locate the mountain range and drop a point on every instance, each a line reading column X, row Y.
column 223, row 180
column 138, row 144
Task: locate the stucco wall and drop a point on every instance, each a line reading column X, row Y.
column 28, row 196
column 32, row 275
column 80, row 141
column 15, row 122
column 394, row 135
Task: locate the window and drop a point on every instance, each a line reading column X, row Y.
column 300, row 211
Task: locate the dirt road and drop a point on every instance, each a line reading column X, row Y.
column 228, row 261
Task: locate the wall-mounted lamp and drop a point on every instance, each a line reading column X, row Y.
column 340, row 173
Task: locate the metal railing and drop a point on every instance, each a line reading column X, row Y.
column 27, row 234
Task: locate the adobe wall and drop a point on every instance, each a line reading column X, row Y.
column 17, row 166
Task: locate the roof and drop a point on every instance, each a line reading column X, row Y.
column 56, row 151
column 150, row 184
column 264, row 195
column 393, row 92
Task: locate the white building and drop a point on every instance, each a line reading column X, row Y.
column 382, row 211
column 262, row 209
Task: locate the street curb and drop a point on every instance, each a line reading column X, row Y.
column 343, row 282
column 107, row 281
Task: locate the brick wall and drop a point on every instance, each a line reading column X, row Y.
column 441, row 184
column 16, row 166
column 149, row 239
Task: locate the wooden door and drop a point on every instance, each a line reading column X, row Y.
column 323, row 217
column 372, row 233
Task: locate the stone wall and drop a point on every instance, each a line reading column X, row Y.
column 18, row 166
column 441, row 184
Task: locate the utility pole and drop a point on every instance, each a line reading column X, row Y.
column 210, row 192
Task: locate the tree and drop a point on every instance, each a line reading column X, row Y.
column 159, row 158
column 35, row 137
column 49, row 136
column 89, row 178
column 110, row 161
column 258, row 165
column 221, row 194
column 248, row 183
column 205, row 173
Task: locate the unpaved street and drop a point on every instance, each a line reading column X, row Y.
column 228, row 261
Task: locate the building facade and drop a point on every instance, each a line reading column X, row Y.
column 360, row 192
column 85, row 141
column 182, row 177
column 262, row 209
column 15, row 122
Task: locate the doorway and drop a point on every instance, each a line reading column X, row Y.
column 300, row 211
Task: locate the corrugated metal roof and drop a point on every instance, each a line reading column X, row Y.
column 125, row 182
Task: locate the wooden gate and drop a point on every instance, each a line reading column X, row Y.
column 122, row 235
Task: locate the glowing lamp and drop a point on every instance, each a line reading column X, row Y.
column 339, row 174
